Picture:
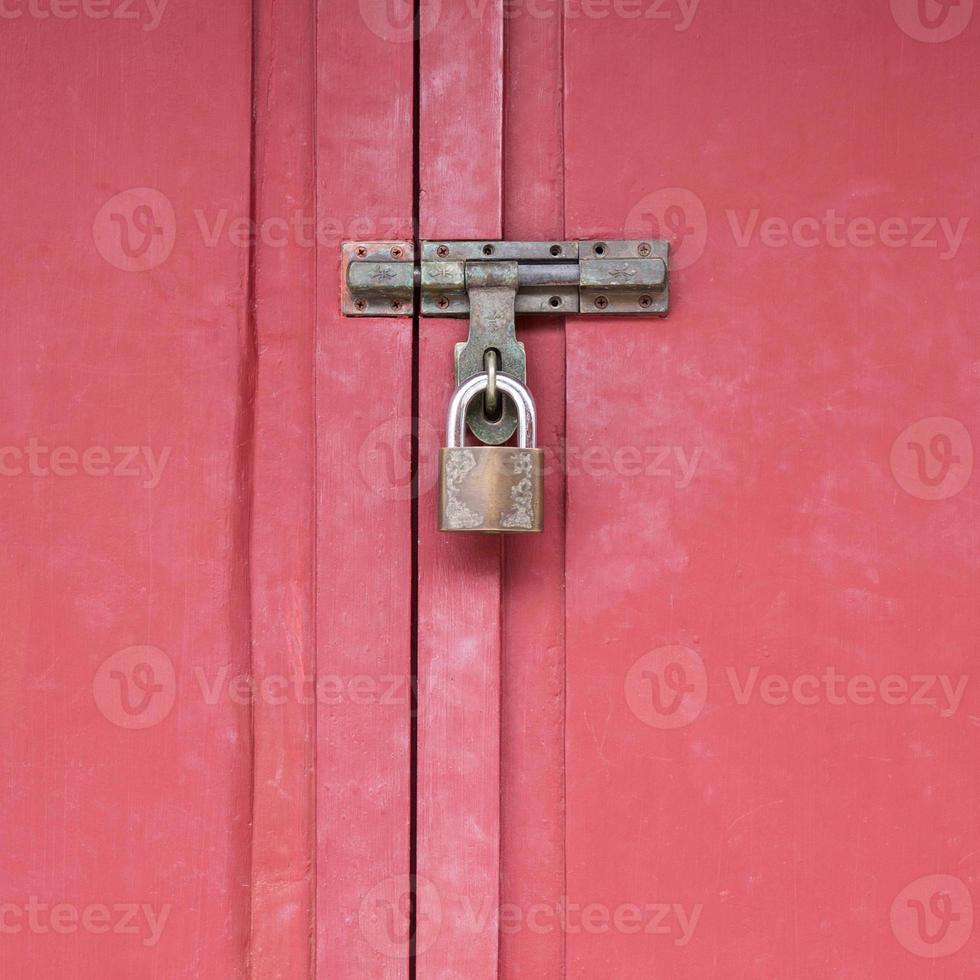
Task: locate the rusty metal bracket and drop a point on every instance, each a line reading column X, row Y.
column 491, row 281
column 378, row 279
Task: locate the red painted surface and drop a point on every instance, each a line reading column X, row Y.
column 282, row 502
column 783, row 384
column 458, row 833
column 126, row 797
column 364, row 537
column 717, row 721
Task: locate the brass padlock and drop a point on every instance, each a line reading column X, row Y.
column 495, row 489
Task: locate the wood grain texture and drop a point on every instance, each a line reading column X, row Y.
column 533, row 667
column 459, row 574
column 282, row 509
column 787, row 528
column 364, row 547
column 461, row 121
column 123, row 574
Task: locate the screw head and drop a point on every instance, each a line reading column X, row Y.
column 646, row 301
column 360, row 304
column 644, row 248
column 360, row 251
column 396, row 252
column 442, row 302
column 600, row 302
column 442, row 251
column 396, row 304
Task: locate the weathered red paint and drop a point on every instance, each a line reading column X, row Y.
column 364, row 541
column 458, row 832
column 793, row 369
column 126, row 593
column 282, row 500
column 698, row 727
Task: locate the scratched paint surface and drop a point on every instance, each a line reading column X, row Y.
column 126, row 767
column 458, row 835
column 364, row 502
column 282, row 499
column 771, row 544
column 772, row 520
column 166, row 242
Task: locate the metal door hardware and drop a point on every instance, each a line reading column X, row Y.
column 491, row 488
column 491, row 281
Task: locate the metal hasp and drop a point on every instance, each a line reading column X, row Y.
column 490, row 282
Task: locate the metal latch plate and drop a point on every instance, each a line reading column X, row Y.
column 492, row 281
column 377, row 279
column 623, row 277
column 595, row 277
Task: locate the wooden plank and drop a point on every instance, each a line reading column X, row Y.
column 766, row 512
column 533, row 667
column 125, row 354
column 282, row 560
column 460, row 131
column 363, row 531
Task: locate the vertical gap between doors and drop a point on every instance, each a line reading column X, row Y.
column 245, row 440
column 314, row 509
column 564, row 506
column 502, row 231
column 416, row 455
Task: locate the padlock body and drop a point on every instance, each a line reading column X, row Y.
column 496, row 489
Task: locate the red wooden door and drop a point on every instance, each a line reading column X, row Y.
column 771, row 564
column 126, row 352
column 262, row 719
column 735, row 709
column 206, row 657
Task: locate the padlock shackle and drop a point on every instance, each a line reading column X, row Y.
column 510, row 386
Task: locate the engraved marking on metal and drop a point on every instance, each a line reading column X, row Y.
column 459, row 464
column 622, row 272
column 521, row 513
